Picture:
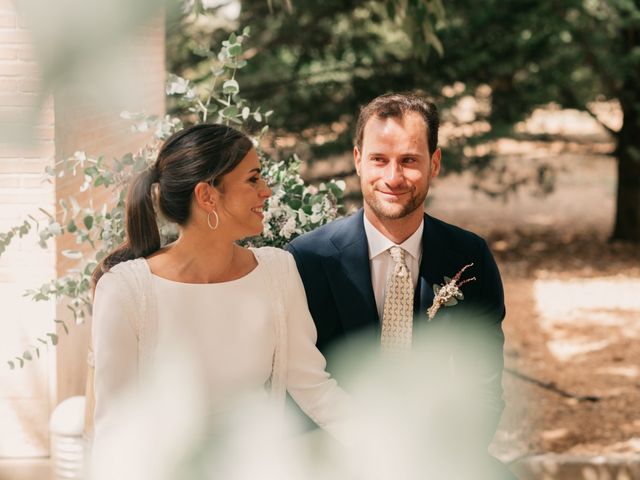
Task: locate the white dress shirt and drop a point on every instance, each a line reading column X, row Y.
column 382, row 264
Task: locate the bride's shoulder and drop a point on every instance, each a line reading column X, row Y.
column 127, row 273
column 130, row 267
column 272, row 253
column 274, row 256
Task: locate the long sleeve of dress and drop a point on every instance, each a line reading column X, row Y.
column 115, row 346
column 309, row 384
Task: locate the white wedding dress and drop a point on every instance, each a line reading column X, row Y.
column 236, row 331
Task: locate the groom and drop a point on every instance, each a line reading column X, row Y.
column 376, row 269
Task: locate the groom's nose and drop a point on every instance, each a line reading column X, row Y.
column 393, row 174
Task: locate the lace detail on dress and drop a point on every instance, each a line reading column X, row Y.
column 275, row 262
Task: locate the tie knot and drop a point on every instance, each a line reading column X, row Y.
column 397, row 254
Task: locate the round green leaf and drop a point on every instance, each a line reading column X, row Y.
column 230, row 111
column 230, row 87
column 235, row 50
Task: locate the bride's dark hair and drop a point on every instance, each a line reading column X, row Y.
column 201, row 153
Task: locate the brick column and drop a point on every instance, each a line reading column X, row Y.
column 26, row 396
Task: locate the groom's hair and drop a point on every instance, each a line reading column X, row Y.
column 397, row 105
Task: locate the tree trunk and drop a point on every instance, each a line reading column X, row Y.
column 627, row 226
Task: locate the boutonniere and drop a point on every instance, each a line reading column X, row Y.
column 449, row 293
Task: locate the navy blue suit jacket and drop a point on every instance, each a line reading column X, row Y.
column 333, row 262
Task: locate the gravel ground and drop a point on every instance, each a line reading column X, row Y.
column 572, row 350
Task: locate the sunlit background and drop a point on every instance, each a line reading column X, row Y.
column 538, row 149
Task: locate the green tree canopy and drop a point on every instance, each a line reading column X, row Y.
column 320, row 61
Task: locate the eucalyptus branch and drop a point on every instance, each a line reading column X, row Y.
column 294, row 208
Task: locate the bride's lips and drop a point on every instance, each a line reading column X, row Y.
column 258, row 211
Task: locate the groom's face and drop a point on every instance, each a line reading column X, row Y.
column 394, row 166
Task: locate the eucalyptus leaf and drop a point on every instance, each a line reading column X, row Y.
column 235, row 50
column 230, row 87
column 73, row 254
column 230, row 111
column 46, row 213
column 63, row 325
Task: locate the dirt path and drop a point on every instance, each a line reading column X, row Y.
column 573, row 312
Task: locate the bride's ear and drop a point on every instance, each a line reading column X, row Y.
column 206, row 196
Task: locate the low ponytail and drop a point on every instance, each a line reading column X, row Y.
column 141, row 227
column 200, row 153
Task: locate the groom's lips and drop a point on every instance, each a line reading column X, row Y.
column 394, row 194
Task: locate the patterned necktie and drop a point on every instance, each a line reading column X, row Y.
column 397, row 316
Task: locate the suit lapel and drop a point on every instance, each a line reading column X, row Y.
column 434, row 265
column 349, row 274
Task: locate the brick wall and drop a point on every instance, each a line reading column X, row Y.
column 66, row 123
column 80, row 126
column 25, row 396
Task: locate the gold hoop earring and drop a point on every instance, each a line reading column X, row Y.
column 213, row 227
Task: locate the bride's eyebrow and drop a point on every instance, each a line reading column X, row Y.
column 254, row 170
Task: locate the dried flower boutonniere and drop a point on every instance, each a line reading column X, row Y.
column 449, row 293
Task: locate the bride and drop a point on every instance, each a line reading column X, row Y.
column 242, row 311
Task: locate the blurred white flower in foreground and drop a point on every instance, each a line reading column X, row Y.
column 401, row 429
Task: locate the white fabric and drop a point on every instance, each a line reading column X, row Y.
column 382, row 264
column 234, row 327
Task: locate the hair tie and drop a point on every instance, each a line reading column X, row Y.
column 153, row 174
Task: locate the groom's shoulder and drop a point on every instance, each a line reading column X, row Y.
column 319, row 241
column 453, row 235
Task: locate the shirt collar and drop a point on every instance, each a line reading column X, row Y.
column 378, row 243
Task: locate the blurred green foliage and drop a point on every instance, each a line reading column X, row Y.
column 318, row 62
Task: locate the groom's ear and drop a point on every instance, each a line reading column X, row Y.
column 357, row 159
column 435, row 162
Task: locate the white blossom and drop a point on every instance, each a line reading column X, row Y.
column 289, row 228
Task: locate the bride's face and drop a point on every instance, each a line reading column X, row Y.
column 243, row 193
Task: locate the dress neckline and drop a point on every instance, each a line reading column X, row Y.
column 228, row 282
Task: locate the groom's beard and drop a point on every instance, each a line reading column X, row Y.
column 394, row 211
